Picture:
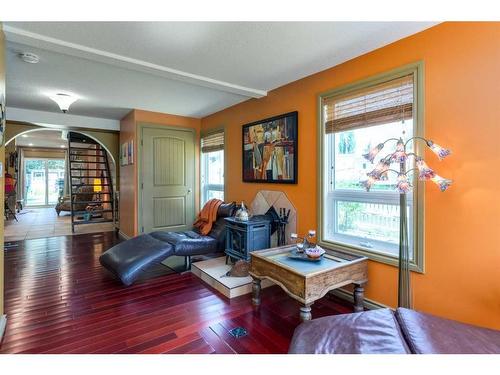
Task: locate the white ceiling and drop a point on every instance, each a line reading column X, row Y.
column 185, row 68
column 42, row 138
column 104, row 90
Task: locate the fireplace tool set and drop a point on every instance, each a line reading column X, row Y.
column 281, row 223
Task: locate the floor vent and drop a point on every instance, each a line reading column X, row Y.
column 238, row 332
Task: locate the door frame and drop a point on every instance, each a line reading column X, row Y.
column 23, row 169
column 140, row 128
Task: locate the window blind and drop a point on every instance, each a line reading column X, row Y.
column 212, row 142
column 382, row 103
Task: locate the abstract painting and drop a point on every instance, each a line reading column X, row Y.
column 124, row 154
column 270, row 150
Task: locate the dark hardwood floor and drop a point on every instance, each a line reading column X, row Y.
column 58, row 299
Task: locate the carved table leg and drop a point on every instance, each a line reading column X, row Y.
column 359, row 295
column 256, row 292
column 305, row 312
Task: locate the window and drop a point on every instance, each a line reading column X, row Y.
column 353, row 120
column 212, row 167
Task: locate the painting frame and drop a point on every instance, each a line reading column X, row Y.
column 130, row 152
column 124, row 154
column 270, row 135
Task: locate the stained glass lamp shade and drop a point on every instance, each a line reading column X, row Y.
column 400, row 156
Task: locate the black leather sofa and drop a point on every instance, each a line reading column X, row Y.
column 385, row 331
column 129, row 258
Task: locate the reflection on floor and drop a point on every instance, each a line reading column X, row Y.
column 59, row 299
column 44, row 222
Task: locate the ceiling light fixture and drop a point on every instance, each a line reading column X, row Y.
column 29, row 57
column 63, row 101
column 30, row 144
column 62, row 146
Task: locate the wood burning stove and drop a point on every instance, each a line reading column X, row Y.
column 243, row 237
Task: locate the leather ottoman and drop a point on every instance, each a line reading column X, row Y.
column 128, row 259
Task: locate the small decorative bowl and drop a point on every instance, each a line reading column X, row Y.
column 314, row 252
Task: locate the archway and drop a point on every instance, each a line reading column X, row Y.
column 49, row 220
column 114, row 166
column 60, row 130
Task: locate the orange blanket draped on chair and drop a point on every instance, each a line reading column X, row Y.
column 207, row 216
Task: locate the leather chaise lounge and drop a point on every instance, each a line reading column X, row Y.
column 385, row 331
column 128, row 259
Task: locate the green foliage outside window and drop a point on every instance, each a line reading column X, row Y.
column 347, row 212
column 347, row 143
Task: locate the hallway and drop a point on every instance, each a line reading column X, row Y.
column 44, row 222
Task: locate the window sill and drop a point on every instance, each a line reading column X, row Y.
column 374, row 256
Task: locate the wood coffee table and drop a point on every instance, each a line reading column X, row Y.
column 308, row 281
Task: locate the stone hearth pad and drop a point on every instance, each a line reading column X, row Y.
column 210, row 271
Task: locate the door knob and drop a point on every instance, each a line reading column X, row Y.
column 189, row 191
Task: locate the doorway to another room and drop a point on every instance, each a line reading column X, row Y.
column 39, row 202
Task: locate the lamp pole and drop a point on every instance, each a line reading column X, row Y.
column 404, row 297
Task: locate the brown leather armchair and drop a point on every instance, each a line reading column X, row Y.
column 84, row 194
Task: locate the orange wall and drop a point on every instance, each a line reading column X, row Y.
column 462, row 96
column 129, row 173
column 128, row 179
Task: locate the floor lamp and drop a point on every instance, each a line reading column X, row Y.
column 400, row 156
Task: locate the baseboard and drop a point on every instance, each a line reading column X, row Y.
column 3, row 324
column 123, row 235
column 367, row 303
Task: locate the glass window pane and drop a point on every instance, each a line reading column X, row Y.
column 43, row 181
column 373, row 226
column 215, row 167
column 55, row 179
column 34, row 182
column 370, row 221
column 212, row 176
column 350, row 167
column 215, row 194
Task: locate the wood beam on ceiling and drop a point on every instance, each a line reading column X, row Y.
column 60, row 120
column 17, row 35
